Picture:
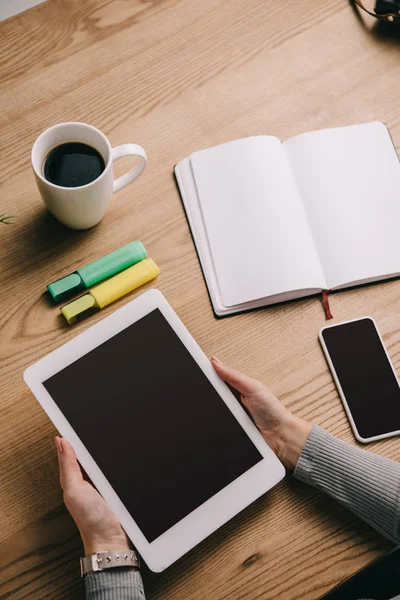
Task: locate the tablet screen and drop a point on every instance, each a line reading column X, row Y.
column 155, row 425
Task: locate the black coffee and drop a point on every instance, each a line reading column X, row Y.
column 73, row 164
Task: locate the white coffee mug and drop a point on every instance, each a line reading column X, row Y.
column 84, row 206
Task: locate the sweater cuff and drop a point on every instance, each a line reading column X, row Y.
column 315, row 442
column 365, row 483
column 115, row 584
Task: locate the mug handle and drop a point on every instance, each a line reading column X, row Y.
column 128, row 150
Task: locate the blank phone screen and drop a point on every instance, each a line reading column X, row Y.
column 153, row 422
column 365, row 374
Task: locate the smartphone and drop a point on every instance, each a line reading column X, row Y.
column 365, row 378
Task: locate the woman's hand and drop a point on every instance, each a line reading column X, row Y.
column 284, row 433
column 97, row 524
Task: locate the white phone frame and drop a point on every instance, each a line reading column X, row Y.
column 216, row 511
column 361, row 439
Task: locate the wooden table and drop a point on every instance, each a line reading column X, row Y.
column 175, row 76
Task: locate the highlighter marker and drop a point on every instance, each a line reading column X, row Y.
column 97, row 271
column 102, row 295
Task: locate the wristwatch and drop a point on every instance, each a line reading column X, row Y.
column 108, row 560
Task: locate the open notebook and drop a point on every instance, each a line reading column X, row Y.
column 275, row 221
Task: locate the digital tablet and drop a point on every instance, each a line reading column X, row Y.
column 158, row 432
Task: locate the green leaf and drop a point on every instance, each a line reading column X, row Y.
column 6, row 220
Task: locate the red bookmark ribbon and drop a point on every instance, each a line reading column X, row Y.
column 325, row 302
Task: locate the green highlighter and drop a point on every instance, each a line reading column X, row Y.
column 97, row 271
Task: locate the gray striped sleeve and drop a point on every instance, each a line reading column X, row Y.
column 115, row 584
column 365, row 483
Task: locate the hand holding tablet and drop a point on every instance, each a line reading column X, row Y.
column 97, row 524
column 161, row 436
column 285, row 433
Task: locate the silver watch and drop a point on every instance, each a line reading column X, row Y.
column 108, row 560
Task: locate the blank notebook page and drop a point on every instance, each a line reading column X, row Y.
column 256, row 226
column 349, row 180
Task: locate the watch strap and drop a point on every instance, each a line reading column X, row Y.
column 108, row 560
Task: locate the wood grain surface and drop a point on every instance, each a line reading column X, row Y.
column 176, row 76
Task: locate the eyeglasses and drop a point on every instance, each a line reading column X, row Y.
column 385, row 10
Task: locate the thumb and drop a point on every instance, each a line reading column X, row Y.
column 70, row 471
column 243, row 383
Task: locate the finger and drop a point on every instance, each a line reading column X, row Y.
column 70, row 471
column 243, row 383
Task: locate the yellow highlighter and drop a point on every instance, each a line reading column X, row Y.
column 114, row 288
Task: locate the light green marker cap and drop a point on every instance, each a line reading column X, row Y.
column 97, row 271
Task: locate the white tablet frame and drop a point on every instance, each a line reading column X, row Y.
column 216, row 511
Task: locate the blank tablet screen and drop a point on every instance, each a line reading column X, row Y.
column 153, row 422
